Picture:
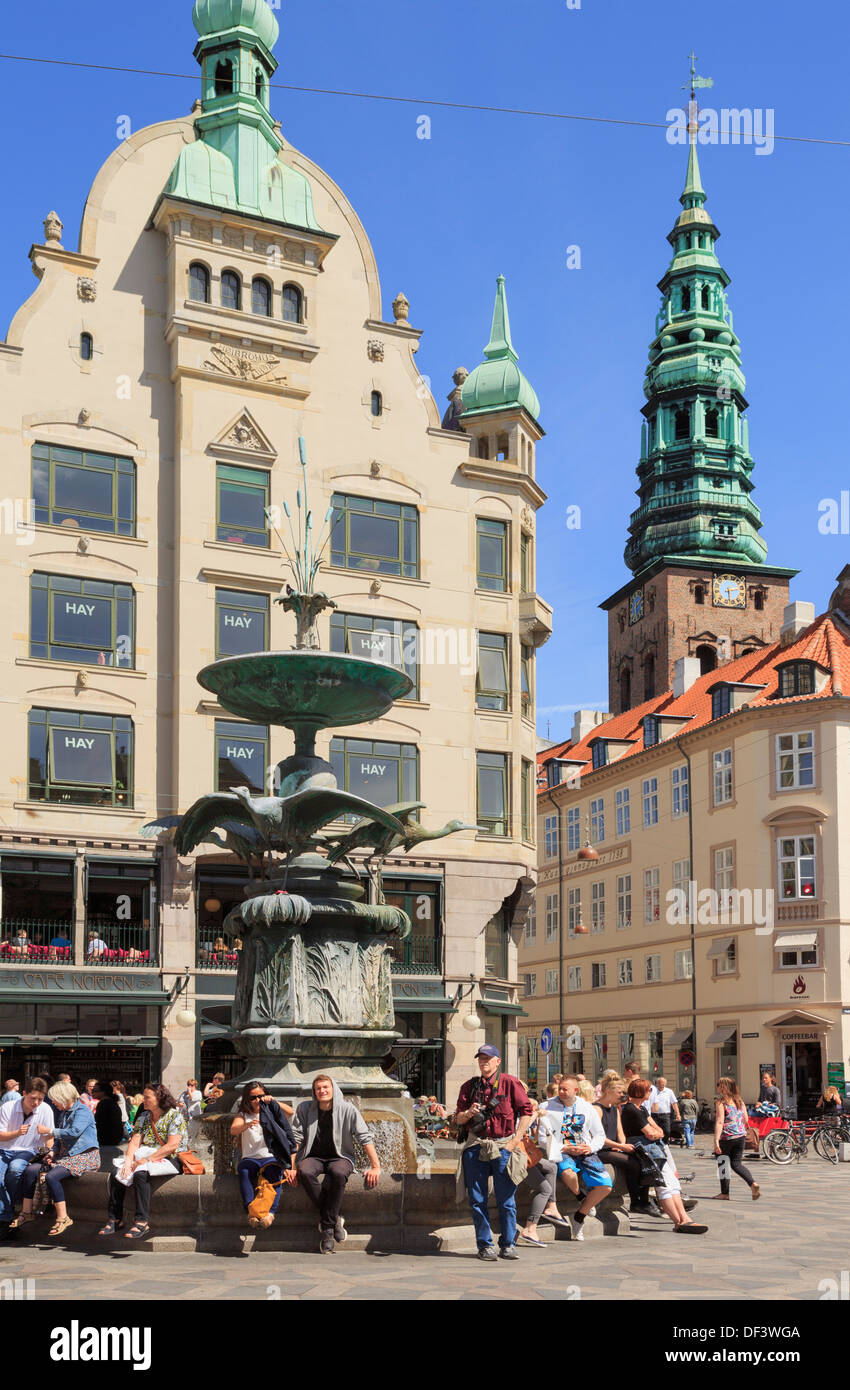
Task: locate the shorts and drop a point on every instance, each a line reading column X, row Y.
column 591, row 1170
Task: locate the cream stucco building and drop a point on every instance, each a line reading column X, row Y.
column 224, row 302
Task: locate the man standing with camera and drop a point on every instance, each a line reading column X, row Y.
column 493, row 1113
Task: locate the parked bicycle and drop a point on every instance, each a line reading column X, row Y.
column 783, row 1145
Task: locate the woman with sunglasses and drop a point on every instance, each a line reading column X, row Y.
column 267, row 1147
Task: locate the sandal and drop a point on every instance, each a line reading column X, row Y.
column 266, row 1221
column 61, row 1225
column 111, row 1227
column 138, row 1231
column 21, row 1220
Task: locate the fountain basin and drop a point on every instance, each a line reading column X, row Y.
column 305, row 689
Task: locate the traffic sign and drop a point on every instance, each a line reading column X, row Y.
column 546, row 1040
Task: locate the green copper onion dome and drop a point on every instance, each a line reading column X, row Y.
column 217, row 16
column 498, row 383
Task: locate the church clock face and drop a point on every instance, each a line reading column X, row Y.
column 729, row 591
column 636, row 606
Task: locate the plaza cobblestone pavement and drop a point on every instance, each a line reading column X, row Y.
column 779, row 1248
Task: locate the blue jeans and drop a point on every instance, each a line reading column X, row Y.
column 689, row 1126
column 13, row 1164
column 248, row 1169
column 477, row 1174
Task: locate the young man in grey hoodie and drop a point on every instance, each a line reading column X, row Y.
column 325, row 1129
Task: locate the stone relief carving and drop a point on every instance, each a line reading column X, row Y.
column 244, row 436
column 527, row 517
column 86, row 289
column 375, row 349
column 375, row 468
column 315, row 980
column 246, row 366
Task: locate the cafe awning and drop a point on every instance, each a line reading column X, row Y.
column 796, row 941
column 681, row 1035
column 500, row 1006
column 719, row 948
column 721, row 1034
column 429, row 1004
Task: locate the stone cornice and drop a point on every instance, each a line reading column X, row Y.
column 480, row 471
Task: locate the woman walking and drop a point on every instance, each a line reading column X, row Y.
column 75, row 1151
column 159, row 1135
column 730, row 1134
column 267, row 1146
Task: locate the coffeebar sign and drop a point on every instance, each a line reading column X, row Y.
column 75, row 982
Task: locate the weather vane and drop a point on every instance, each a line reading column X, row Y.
column 695, row 82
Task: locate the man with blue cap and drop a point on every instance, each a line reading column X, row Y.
column 493, row 1113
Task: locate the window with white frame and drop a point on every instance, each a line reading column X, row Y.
column 529, row 984
column 624, row 901
column 679, row 790
column 597, row 821
column 624, row 815
column 681, row 875
column 573, row 909
column 794, row 957
column 597, row 907
column 551, row 916
column 597, row 975
column 722, row 765
column 683, row 967
column 727, row 962
column 797, row 866
column 550, row 835
column 551, row 982
column 651, row 895
column 573, row 978
column 795, row 761
column 653, row 969
column 724, row 876
column 573, row 829
column 650, row 801
column 531, row 922
column 624, row 972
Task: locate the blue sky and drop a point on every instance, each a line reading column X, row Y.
column 490, row 194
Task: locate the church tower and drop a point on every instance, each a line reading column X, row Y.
column 700, row 585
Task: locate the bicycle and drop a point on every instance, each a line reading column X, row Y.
column 783, row 1145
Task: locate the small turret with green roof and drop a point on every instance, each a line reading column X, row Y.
column 498, row 383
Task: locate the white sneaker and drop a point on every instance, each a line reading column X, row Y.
column 577, row 1228
column 340, row 1233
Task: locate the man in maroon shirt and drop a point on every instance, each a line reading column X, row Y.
column 493, row 1107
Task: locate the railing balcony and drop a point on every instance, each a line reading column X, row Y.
column 31, row 940
column 798, row 912
column 417, row 955
column 109, row 943
column 213, row 955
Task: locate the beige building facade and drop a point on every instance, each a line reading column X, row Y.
column 154, row 389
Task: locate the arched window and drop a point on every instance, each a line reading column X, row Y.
column 707, row 658
column 686, row 299
column 224, row 78
column 86, row 347
column 199, row 283
column 683, row 424
column 293, row 304
column 706, row 297
column 377, row 403
column 625, row 689
column 648, row 677
column 259, row 86
column 699, row 594
column 712, row 424
column 231, row 290
column 261, row 297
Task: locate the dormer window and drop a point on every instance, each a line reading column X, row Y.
column 599, row 752
column 721, row 701
column 224, row 78
column 797, row 678
column 650, row 731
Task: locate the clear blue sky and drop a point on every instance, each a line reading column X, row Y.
column 490, row 194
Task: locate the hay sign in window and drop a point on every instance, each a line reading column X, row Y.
column 80, row 758
column 384, row 773
column 242, row 755
column 388, row 640
column 81, row 620
column 241, row 623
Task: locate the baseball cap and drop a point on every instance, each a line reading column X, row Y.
column 488, row 1050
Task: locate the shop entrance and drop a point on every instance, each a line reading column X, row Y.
column 802, row 1076
column 134, row 1066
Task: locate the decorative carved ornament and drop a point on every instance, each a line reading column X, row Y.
column 375, row 587
column 53, row 227
column 375, row 349
column 244, row 436
column 401, row 307
column 86, row 289
column 246, row 366
column 84, row 416
column 527, row 516
column 375, row 468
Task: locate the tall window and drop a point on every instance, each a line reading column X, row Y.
column 526, row 568
column 649, row 677
column 683, row 967
column 261, row 297
column 573, row 979
column 683, row 424
column 722, row 766
column 381, row 537
column 241, row 754
column 82, row 620
column 597, row 821
column 492, row 684
column 597, row 975
column 377, row 404
column 529, row 984
column 86, row 347
column 389, row 640
column 241, row 623
column 650, row 801
column 380, row 772
column 199, row 283
column 624, row 822
column 681, row 878
column 597, row 907
column 680, row 798
column 493, row 793
column 624, row 971
column 76, row 488
column 293, row 304
column 652, row 967
column 795, row 761
column 599, row 753
column 496, row 947
column 650, row 730
column 224, row 78
column 526, row 687
column 624, row 901
column 527, row 790
column 573, row 910
column 231, row 290
column 712, row 428
column 797, row 866
column 82, row 759
column 725, row 960
column 573, row 829
column 721, row 701
column 551, row 916
column 492, row 554
column 531, row 922
column 724, row 876
column 550, row 836
column 242, row 495
column 651, row 895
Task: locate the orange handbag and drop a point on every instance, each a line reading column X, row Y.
column 190, row 1163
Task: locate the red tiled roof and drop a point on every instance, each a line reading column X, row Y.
column 826, row 642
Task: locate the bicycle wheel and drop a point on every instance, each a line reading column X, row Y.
column 779, row 1146
column 826, row 1146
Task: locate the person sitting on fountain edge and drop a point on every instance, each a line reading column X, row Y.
column 325, row 1129
column 494, row 1111
column 267, row 1147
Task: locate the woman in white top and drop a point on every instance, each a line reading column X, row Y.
column 261, row 1125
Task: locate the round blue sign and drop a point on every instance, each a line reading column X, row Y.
column 546, row 1040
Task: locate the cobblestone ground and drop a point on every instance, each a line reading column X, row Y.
column 783, row 1247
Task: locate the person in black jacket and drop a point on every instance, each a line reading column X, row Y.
column 107, row 1117
column 267, row 1144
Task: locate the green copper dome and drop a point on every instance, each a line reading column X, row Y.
column 217, row 16
column 498, row 383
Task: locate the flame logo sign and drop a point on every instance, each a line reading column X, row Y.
column 799, row 985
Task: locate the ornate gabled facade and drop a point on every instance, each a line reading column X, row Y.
column 700, row 585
